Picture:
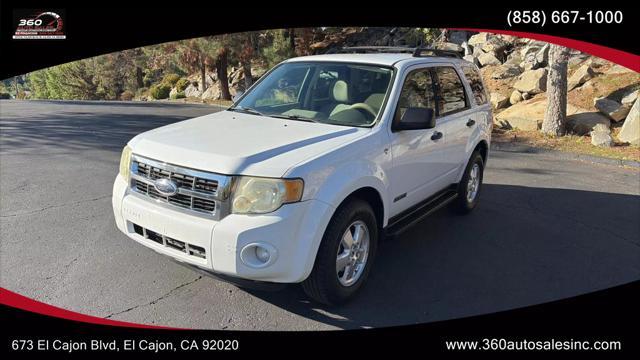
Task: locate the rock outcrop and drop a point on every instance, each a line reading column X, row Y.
column 498, row 100
column 580, row 76
column 613, row 109
column 529, row 115
column 630, row 131
column 532, row 81
column 601, row 136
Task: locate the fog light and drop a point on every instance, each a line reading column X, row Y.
column 262, row 254
column 258, row 255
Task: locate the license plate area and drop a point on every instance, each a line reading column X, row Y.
column 189, row 249
column 181, row 236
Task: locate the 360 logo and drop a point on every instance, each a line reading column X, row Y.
column 34, row 24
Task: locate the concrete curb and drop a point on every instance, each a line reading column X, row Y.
column 521, row 148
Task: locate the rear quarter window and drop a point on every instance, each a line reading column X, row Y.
column 475, row 82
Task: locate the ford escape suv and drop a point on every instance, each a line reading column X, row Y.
column 299, row 180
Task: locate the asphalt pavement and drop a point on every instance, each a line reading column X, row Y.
column 547, row 228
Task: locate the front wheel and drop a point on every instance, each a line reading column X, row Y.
column 470, row 185
column 345, row 255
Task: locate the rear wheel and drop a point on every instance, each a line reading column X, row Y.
column 470, row 185
column 345, row 255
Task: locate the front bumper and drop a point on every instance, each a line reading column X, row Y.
column 293, row 232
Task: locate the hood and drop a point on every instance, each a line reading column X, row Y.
column 241, row 144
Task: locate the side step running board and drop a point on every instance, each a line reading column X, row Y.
column 418, row 212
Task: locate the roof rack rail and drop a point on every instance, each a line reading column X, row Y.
column 373, row 49
column 416, row 52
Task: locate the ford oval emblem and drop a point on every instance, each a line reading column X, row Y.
column 166, row 187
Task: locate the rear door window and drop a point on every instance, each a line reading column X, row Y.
column 417, row 92
column 451, row 97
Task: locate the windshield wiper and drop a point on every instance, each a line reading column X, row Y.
column 246, row 110
column 293, row 117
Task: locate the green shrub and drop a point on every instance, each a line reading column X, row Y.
column 182, row 84
column 5, row 95
column 142, row 93
column 151, row 76
column 160, row 91
column 178, row 95
column 127, row 95
column 170, row 79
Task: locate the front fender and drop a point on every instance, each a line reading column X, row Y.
column 332, row 177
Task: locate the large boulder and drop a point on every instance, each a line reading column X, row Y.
column 535, row 60
column 618, row 69
column 613, row 109
column 580, row 76
column 505, row 71
column 494, row 45
column 471, row 59
column 532, row 47
column 577, row 59
column 476, row 51
column 498, row 100
column 529, row 115
column 514, row 59
column 630, row 131
column 488, row 59
column 515, row 97
column 630, row 98
column 601, row 138
column 192, row 91
column 212, row 93
column 583, row 122
column 523, row 116
column 478, row 39
column 211, row 78
column 532, row 81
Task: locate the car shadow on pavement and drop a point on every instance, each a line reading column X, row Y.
column 521, row 246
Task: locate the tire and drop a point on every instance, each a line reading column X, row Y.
column 467, row 199
column 327, row 284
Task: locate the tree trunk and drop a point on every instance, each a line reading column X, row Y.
column 292, row 39
column 556, row 113
column 139, row 77
column 223, row 80
column 203, row 76
column 246, row 71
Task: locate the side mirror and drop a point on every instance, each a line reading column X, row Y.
column 237, row 96
column 416, row 119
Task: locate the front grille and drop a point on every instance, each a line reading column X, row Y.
column 194, row 192
column 182, row 246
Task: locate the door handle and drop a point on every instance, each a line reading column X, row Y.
column 436, row 136
column 471, row 122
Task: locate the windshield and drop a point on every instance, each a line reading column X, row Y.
column 334, row 93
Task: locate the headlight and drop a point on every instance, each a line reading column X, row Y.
column 253, row 195
column 125, row 161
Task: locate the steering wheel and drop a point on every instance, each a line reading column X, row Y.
column 365, row 107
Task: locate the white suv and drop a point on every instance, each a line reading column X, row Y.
column 305, row 173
